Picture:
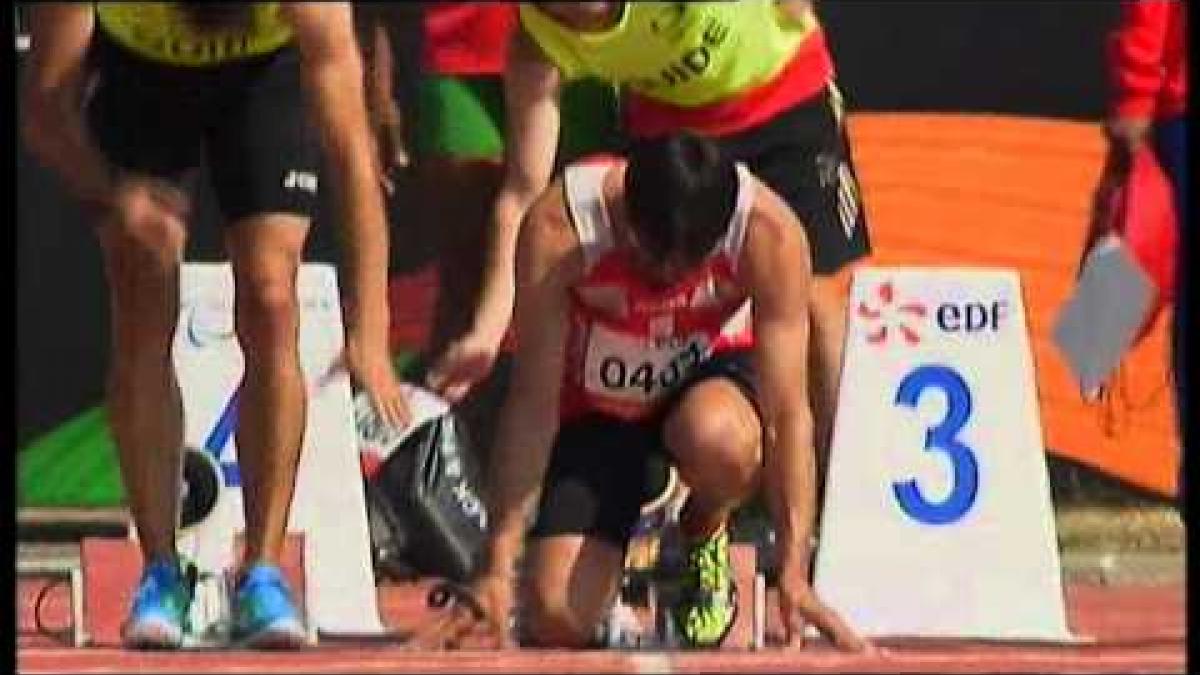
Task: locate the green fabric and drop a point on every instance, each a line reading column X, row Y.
column 75, row 465
column 463, row 116
column 459, row 116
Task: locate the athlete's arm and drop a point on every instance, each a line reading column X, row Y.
column 333, row 77
column 531, row 87
column 52, row 112
column 775, row 267
column 531, row 90
column 548, row 262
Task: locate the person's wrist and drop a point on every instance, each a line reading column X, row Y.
column 502, row 553
column 795, row 550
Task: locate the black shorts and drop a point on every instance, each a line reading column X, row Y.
column 804, row 155
column 248, row 118
column 602, row 469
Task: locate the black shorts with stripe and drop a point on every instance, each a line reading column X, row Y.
column 804, row 155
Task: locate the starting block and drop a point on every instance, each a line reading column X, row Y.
column 59, row 570
column 112, row 567
column 745, row 573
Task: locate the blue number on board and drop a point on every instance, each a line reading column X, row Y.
column 941, row 438
column 219, row 437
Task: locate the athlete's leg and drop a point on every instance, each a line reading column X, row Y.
column 586, row 514
column 265, row 251
column 264, row 153
column 142, row 239
column 141, row 260
column 714, row 435
column 573, row 581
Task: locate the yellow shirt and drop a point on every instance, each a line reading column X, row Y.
column 159, row 31
column 681, row 53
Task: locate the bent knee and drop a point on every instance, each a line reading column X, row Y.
column 715, row 446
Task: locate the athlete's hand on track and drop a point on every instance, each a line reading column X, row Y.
column 462, row 365
column 799, row 604
column 478, row 622
column 373, row 371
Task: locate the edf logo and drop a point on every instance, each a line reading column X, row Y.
column 889, row 317
column 971, row 317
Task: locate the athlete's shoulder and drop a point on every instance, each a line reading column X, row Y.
column 772, row 226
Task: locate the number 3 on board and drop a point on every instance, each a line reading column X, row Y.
column 941, row 438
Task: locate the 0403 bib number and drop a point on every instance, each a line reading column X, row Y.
column 629, row 369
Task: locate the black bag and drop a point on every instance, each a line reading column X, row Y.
column 424, row 505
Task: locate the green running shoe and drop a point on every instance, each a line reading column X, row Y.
column 706, row 605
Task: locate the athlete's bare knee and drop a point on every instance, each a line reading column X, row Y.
column 266, row 313
column 716, row 451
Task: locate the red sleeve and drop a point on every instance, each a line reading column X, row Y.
column 468, row 37
column 1135, row 56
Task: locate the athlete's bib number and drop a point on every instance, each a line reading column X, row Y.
column 634, row 369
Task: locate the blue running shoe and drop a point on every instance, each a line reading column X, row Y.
column 264, row 614
column 158, row 617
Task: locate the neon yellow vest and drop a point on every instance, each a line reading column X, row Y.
column 681, row 53
column 159, row 31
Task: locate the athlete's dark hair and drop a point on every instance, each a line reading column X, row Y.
column 680, row 190
column 213, row 16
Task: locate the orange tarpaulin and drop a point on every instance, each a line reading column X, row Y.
column 1016, row 192
column 993, row 191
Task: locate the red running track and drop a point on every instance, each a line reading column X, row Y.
column 1136, row 629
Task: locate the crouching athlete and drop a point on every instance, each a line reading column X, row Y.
column 661, row 312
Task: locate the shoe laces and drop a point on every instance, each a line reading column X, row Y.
column 707, row 564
